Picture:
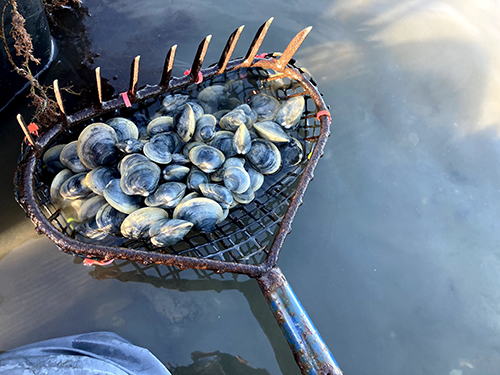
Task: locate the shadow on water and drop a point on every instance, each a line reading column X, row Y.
column 174, row 279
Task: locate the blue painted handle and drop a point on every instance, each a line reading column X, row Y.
column 310, row 351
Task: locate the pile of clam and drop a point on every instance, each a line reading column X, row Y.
column 196, row 159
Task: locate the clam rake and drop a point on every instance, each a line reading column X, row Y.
column 250, row 239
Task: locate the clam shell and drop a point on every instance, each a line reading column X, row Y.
column 202, row 212
column 69, row 158
column 197, row 110
column 189, row 196
column 289, row 113
column 207, row 158
column 161, row 124
column 195, row 178
column 236, row 179
column 96, row 146
column 115, row 196
column 174, row 102
column 248, row 111
column 109, row 219
column 137, row 224
column 129, row 161
column 51, row 159
column 167, row 195
column 232, row 120
column 124, row 128
column 140, row 179
column 292, row 152
column 90, row 207
column 242, row 141
column 256, row 178
column 264, row 156
column 159, row 148
column 265, row 106
column 186, row 124
column 205, row 128
column 90, row 230
column 218, row 175
column 245, row 197
column 98, row 178
column 175, row 173
column 218, row 193
column 55, row 187
column 188, row 146
column 75, row 187
column 130, row 146
column 223, row 141
column 271, row 131
column 168, row 232
column 211, row 97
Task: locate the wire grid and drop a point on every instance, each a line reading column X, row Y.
column 246, row 234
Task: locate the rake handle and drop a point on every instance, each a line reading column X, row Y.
column 310, row 351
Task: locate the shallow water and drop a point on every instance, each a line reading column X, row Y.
column 393, row 253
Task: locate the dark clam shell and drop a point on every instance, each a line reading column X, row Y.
column 96, row 146
column 161, row 124
column 186, row 124
column 207, row 158
column 175, row 173
column 167, row 195
column 292, row 152
column 204, row 213
column 236, row 179
column 98, row 178
column 129, row 161
column 264, row 156
column 140, row 179
column 109, row 219
column 218, row 193
column 205, row 128
column 124, row 128
column 51, row 159
column 289, row 113
column 223, row 140
column 69, row 158
column 137, row 224
column 75, row 187
column 115, row 196
column 264, row 105
column 130, row 146
column 168, row 232
column 195, row 178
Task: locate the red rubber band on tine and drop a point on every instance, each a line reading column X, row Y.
column 324, row 113
column 33, row 129
column 261, row 56
column 126, row 100
column 200, row 76
column 92, row 262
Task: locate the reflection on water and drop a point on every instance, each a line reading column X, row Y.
column 394, row 253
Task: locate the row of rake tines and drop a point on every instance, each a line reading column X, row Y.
column 193, row 74
column 248, row 230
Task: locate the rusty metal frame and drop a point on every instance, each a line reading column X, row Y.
column 27, row 166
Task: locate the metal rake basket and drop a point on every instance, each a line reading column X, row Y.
column 250, row 239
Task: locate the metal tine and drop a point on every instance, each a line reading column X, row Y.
column 27, row 133
column 57, row 93
column 292, row 47
column 134, row 75
column 229, row 49
column 167, row 67
column 256, row 43
column 99, row 84
column 200, row 56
